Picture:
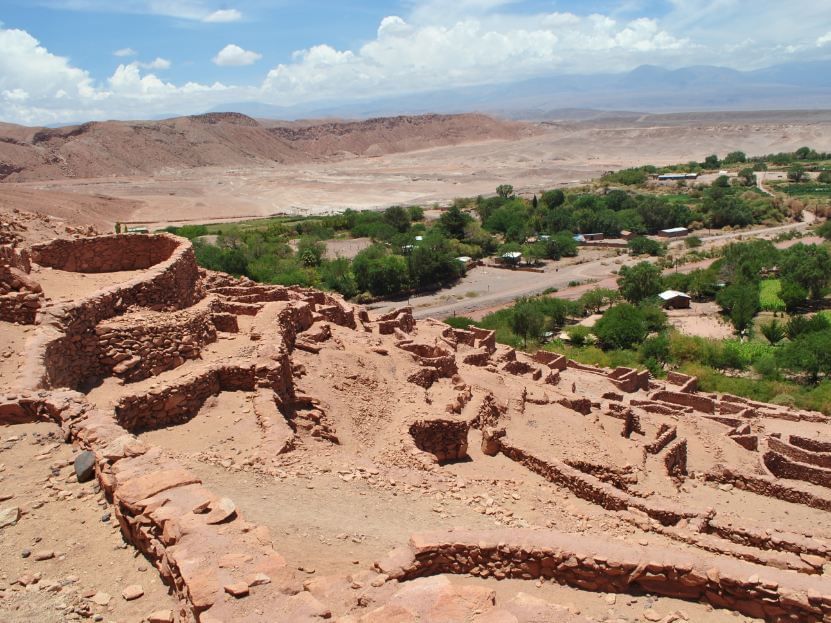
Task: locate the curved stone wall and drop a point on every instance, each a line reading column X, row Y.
column 64, row 352
column 105, row 254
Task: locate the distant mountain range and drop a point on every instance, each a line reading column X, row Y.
column 645, row 89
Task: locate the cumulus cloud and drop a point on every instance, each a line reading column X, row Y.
column 157, row 63
column 38, row 87
column 222, row 16
column 435, row 45
column 405, row 56
column 234, row 56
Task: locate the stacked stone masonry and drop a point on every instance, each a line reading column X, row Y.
column 596, row 565
column 20, row 296
column 138, row 345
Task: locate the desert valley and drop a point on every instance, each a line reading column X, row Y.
column 413, row 311
column 182, row 444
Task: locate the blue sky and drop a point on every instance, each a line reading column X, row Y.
column 82, row 59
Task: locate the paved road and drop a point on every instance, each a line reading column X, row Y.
column 487, row 289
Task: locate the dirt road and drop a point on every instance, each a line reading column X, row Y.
column 486, row 289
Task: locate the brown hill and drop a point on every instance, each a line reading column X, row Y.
column 223, row 139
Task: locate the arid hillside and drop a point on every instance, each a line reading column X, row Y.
column 121, row 148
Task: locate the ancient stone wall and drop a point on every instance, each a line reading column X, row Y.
column 769, row 486
column 814, row 445
column 552, row 360
column 666, row 434
column 675, row 458
column 590, row 488
column 444, row 439
column 184, row 529
column 819, row 459
column 65, row 351
column 596, row 565
column 784, row 467
column 699, row 403
column 20, row 295
column 105, row 254
column 136, row 346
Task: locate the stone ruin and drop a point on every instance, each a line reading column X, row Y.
column 697, row 486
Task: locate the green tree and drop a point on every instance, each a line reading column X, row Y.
column 642, row 245
column 747, row 176
column 802, row 325
column 711, row 162
column 824, row 177
column 807, row 265
column 560, row 245
column 796, row 172
column 639, row 282
column 824, row 230
column 735, row 157
column 553, row 198
column 656, row 349
column 740, row 301
column 526, row 319
column 622, row 326
column 337, row 275
column 416, row 213
column 397, row 217
column 433, row 262
column 792, row 294
column 504, row 191
column 810, row 354
column 596, row 299
column 453, row 222
column 310, row 251
column 774, row 331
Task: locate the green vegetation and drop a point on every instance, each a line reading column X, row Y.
column 769, row 299
column 787, row 361
column 406, row 254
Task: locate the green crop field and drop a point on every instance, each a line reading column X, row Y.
column 769, row 295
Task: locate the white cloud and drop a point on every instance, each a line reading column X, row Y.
column 408, row 57
column 222, row 16
column 158, row 63
column 196, row 10
column 38, row 87
column 15, row 95
column 234, row 56
column 436, row 45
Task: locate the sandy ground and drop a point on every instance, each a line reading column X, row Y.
column 702, row 320
column 90, row 564
column 558, row 154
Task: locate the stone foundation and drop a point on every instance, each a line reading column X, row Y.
column 612, row 567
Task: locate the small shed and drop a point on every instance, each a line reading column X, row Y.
column 628, row 235
column 511, row 257
column 593, row 237
column 465, row 260
column 674, row 299
column 674, row 232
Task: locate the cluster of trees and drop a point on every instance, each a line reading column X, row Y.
column 406, row 254
column 798, row 160
column 720, row 205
